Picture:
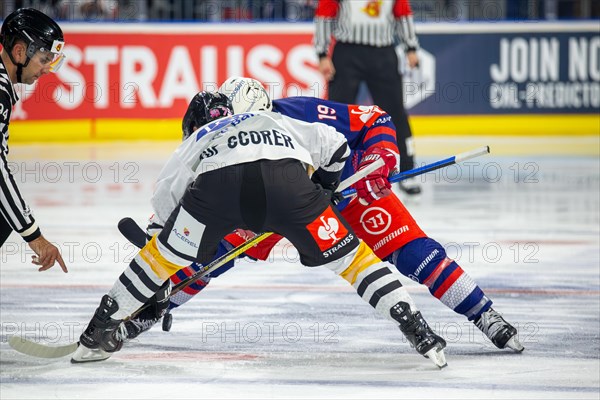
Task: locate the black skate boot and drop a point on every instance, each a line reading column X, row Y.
column 500, row 332
column 410, row 186
column 135, row 327
column 152, row 311
column 419, row 334
column 101, row 338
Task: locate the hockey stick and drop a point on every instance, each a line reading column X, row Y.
column 431, row 167
column 40, row 350
column 34, row 349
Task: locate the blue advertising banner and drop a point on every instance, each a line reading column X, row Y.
column 516, row 71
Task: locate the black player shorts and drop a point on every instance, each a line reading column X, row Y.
column 263, row 196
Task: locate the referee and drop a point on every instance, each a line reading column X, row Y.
column 32, row 46
column 366, row 32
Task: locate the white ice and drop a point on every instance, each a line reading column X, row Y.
column 523, row 222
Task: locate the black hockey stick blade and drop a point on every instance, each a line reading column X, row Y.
column 132, row 232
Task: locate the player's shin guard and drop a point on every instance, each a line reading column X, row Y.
column 450, row 284
column 424, row 261
column 377, row 284
column 145, row 275
column 142, row 279
column 187, row 293
column 380, row 286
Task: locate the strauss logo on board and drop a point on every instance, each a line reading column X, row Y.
column 155, row 75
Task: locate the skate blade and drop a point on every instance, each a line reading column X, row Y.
column 437, row 356
column 84, row 355
column 514, row 344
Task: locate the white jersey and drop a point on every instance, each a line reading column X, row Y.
column 240, row 139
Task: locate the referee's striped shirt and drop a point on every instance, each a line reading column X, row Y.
column 374, row 23
column 13, row 209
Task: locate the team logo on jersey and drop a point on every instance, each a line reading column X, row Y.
column 327, row 229
column 415, row 275
column 26, row 212
column 183, row 238
column 360, row 115
column 373, row 8
column 186, row 234
column 383, row 120
column 375, row 220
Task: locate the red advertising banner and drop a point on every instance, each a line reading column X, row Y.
column 133, row 81
column 152, row 71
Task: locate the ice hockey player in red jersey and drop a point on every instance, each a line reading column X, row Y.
column 356, row 43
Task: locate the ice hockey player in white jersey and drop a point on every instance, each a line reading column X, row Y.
column 245, row 138
column 248, row 171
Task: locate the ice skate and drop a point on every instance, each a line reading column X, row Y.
column 410, row 186
column 102, row 337
column 152, row 311
column 136, row 326
column 419, row 334
column 500, row 332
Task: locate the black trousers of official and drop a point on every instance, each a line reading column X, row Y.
column 378, row 68
column 262, row 196
column 5, row 230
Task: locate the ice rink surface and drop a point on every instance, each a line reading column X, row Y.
column 523, row 222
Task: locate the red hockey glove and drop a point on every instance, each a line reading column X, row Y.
column 375, row 185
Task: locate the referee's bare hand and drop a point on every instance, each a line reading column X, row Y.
column 47, row 254
column 412, row 58
column 326, row 68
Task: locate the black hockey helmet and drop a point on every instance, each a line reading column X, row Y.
column 205, row 107
column 37, row 30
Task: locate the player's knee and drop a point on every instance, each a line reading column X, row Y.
column 355, row 263
column 162, row 262
column 419, row 259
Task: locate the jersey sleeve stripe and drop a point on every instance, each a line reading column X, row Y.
column 380, row 131
column 406, row 33
column 379, row 140
column 322, row 36
column 386, row 145
column 12, row 202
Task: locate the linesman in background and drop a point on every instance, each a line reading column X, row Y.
column 366, row 32
column 32, row 45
